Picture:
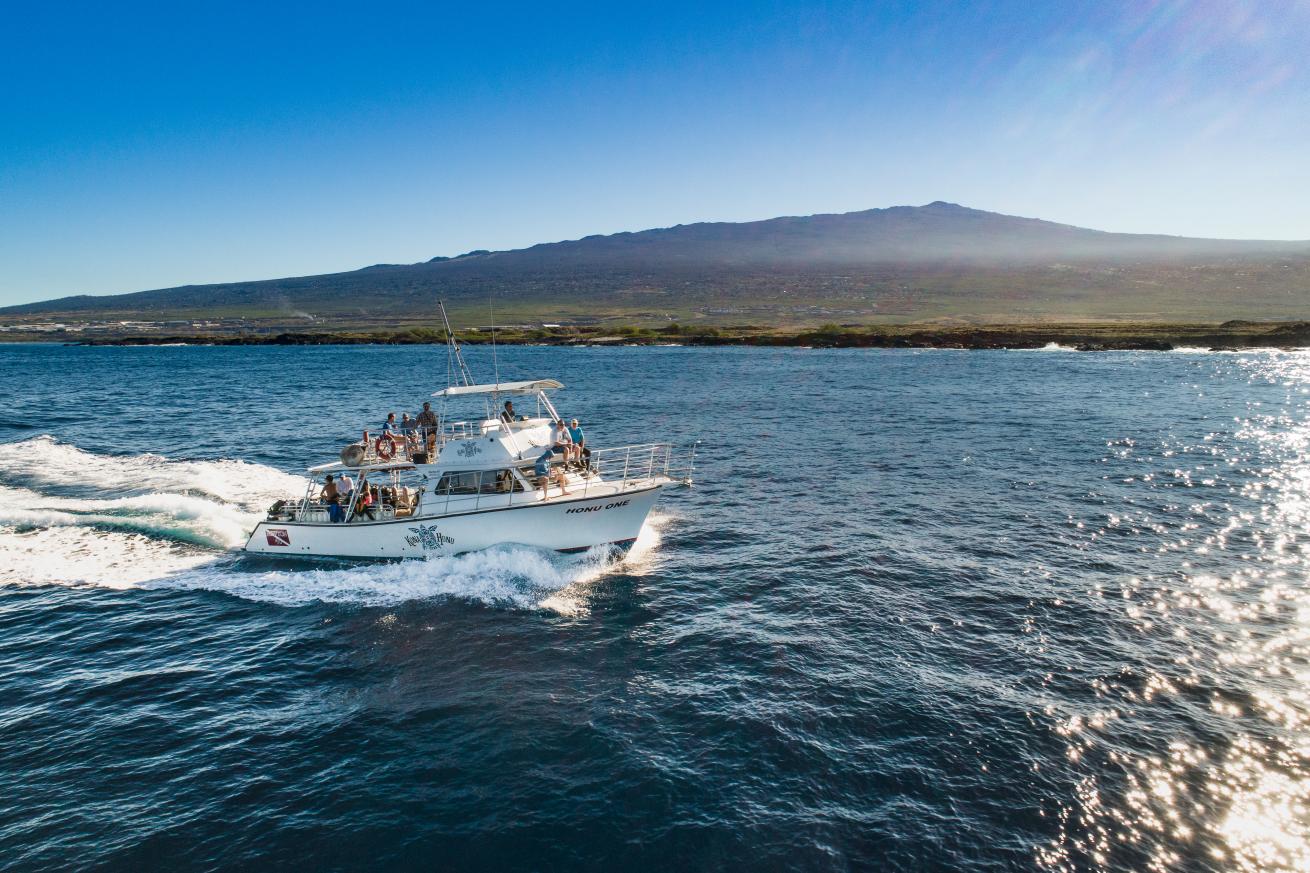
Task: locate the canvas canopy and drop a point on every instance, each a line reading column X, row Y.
column 530, row 387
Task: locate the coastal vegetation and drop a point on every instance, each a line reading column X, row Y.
column 1230, row 335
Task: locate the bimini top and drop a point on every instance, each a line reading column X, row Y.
column 531, row 387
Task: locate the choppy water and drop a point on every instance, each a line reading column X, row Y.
column 923, row 611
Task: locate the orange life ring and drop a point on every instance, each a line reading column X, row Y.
column 385, row 447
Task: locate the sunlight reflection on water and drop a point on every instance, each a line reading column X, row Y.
column 1229, row 788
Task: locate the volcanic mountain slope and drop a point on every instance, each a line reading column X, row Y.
column 903, row 263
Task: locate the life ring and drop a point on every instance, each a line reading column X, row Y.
column 385, row 447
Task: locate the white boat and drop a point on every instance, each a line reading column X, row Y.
column 470, row 484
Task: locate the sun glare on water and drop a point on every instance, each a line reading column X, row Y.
column 1201, row 753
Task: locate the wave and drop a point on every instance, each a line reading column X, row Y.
column 146, row 521
column 182, row 517
column 515, row 576
column 44, row 462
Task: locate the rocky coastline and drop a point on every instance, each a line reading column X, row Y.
column 1229, row 336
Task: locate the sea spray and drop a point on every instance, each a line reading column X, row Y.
column 47, row 464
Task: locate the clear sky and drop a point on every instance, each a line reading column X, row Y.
column 145, row 146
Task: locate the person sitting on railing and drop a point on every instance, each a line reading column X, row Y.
column 544, row 476
column 580, row 450
column 561, row 441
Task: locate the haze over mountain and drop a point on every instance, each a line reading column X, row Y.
column 902, row 263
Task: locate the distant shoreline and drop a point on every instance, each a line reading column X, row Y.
column 1231, row 335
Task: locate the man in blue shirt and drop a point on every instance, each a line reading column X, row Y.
column 542, row 471
column 579, row 443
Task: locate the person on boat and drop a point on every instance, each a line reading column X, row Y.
column 580, row 449
column 368, row 501
column 507, row 414
column 544, row 476
column 332, row 497
column 390, row 426
column 427, row 427
column 345, row 489
column 409, row 428
column 562, row 443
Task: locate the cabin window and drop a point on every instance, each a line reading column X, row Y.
column 499, row 482
column 478, row 482
column 458, row 483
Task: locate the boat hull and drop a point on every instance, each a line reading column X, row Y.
column 564, row 525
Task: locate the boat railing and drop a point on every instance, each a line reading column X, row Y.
column 638, row 466
column 407, row 444
column 610, row 471
column 460, row 430
column 397, row 503
column 615, row 470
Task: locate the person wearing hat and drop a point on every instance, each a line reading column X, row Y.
column 579, row 442
column 545, row 476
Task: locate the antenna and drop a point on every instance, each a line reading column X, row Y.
column 495, row 362
column 453, row 354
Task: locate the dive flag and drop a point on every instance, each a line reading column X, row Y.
column 277, row 537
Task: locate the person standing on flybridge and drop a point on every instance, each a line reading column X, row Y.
column 427, row 427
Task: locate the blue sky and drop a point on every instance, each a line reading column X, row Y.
column 151, row 146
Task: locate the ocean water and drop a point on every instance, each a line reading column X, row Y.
column 921, row 611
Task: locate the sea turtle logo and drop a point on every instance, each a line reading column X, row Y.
column 429, row 538
column 469, row 449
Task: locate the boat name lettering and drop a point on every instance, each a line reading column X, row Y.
column 429, row 537
column 614, row 505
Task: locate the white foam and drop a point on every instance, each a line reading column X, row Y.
column 83, row 556
column 505, row 575
column 639, row 560
column 45, row 461
column 123, row 520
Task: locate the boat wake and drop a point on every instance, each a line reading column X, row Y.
column 73, row 517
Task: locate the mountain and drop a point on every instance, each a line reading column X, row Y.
column 938, row 261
